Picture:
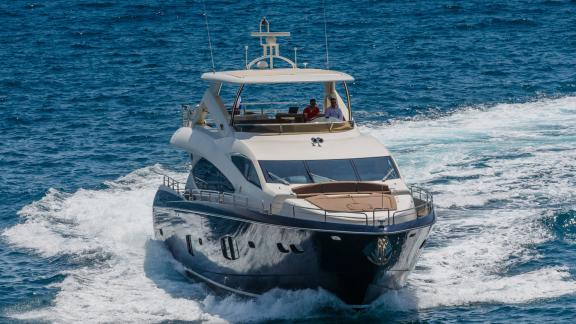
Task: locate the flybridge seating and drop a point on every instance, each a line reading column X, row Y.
column 272, row 108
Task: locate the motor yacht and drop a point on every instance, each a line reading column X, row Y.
column 280, row 198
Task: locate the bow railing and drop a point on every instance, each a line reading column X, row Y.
column 423, row 205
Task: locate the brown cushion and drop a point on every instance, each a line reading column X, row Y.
column 339, row 187
column 353, row 202
column 368, row 187
column 308, row 189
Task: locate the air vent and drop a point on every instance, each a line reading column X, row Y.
column 200, row 241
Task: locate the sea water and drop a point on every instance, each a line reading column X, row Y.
column 476, row 100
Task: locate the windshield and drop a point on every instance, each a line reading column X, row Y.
column 376, row 168
column 330, row 170
column 285, row 172
column 318, row 171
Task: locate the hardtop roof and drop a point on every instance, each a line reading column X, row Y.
column 286, row 75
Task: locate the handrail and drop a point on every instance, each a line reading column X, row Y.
column 423, row 204
column 321, row 127
column 263, row 103
column 173, row 184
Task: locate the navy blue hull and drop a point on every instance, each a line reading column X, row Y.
column 250, row 253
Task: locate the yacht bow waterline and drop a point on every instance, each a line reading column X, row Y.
column 278, row 197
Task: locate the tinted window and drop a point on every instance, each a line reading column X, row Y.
column 376, row 168
column 208, row 177
column 331, row 170
column 317, row 171
column 247, row 169
column 285, row 172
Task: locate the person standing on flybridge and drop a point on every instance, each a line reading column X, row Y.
column 333, row 110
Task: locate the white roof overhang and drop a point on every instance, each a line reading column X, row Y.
column 277, row 76
column 342, row 145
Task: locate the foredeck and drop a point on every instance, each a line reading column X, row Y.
column 377, row 216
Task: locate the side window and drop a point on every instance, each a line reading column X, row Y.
column 247, row 169
column 208, row 177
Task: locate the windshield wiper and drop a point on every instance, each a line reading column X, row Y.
column 323, row 177
column 387, row 175
column 276, row 177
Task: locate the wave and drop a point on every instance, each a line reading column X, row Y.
column 497, row 172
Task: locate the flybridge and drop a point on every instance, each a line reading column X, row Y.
column 269, row 99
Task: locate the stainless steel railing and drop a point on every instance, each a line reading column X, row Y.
column 173, row 184
column 423, row 205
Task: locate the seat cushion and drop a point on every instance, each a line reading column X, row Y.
column 357, row 202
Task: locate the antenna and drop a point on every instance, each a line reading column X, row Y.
column 246, row 57
column 270, row 46
column 209, row 38
column 325, row 34
column 296, row 57
column 264, row 24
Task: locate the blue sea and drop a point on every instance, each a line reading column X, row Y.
column 476, row 99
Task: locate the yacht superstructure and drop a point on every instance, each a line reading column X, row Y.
column 278, row 199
